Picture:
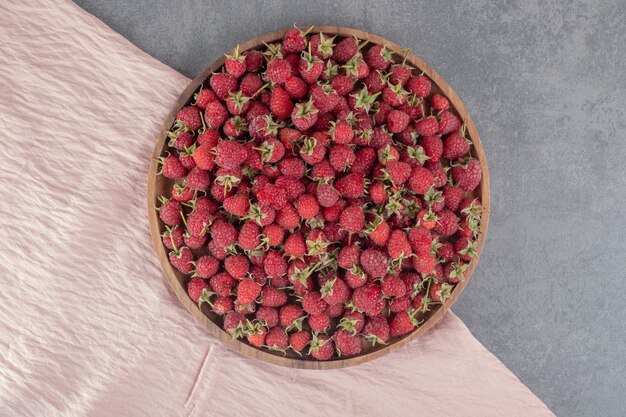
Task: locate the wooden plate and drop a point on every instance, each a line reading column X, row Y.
column 159, row 185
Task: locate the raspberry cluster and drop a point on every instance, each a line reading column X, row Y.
column 322, row 195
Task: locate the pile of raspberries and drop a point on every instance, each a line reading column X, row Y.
column 321, row 199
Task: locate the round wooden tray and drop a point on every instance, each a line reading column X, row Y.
column 159, row 185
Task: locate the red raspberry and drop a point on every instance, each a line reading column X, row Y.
column 400, row 73
column 376, row 330
column 455, row 146
column 448, row 122
column 321, row 347
column 420, row 180
column 294, row 246
column 254, row 60
column 349, row 256
column 378, row 231
column 291, row 316
column 277, row 338
column 334, row 290
column 433, row 148
column 222, row 283
column 364, row 162
column 273, row 235
column 453, row 196
column 397, row 121
column 398, row 173
column 204, row 157
column 345, row 50
column 182, row 193
column 233, row 324
column 235, row 64
column 424, row 262
column 207, row 266
column 379, row 57
column 393, row 286
column 172, row 167
column 374, row 262
column 247, row 291
column 230, row 154
column 273, row 196
column 447, row 224
column 280, row 103
column 310, row 68
column 347, row 344
column 169, row 212
column 223, row 233
column 237, row 204
column 223, row 305
column 341, row 157
column 196, row 288
column 209, row 137
column 439, row 102
column 342, row 84
column 468, row 176
column 319, row 322
column 427, row 127
column 399, row 304
column 465, row 248
column 288, row 217
column 342, row 132
column 419, row 85
column 355, row 277
column 173, row 237
column 269, row 315
column 374, row 82
column 398, row 245
column 401, row 324
column 274, row 264
column 350, row 186
column 294, row 40
column 440, row 292
column 182, row 141
column 195, row 242
column 190, row 117
column 250, row 84
column 454, row 272
column 321, row 46
column 313, row 303
column 307, row 206
column 421, row 239
column 278, row 70
column 296, row 87
column 381, row 138
column 378, row 192
column 237, row 266
column 223, row 84
column 352, row 219
column 182, row 260
column 204, row 96
column 298, row 341
column 273, row 297
column 248, row 238
column 366, row 298
column 198, row 179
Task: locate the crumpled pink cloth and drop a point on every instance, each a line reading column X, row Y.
column 88, row 325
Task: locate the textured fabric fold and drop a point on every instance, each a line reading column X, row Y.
column 88, row 326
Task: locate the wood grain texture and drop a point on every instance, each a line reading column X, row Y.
column 159, row 185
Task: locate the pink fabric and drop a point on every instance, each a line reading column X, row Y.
column 88, row 326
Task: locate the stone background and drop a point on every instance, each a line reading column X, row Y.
column 546, row 85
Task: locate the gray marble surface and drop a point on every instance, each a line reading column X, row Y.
column 546, row 85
